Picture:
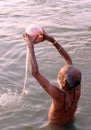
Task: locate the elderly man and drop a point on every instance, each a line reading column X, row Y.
column 65, row 98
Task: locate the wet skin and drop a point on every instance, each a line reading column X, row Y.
column 64, row 102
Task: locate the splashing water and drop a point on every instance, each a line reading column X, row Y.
column 9, row 97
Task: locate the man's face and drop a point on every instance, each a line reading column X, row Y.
column 61, row 79
column 59, row 83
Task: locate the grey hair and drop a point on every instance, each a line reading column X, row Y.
column 71, row 83
column 71, row 76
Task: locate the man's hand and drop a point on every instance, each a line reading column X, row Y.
column 35, row 40
column 48, row 38
column 28, row 39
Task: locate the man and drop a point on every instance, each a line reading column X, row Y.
column 65, row 98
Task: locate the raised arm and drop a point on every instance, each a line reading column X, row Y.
column 60, row 49
column 52, row 90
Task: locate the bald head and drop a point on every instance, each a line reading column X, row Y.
column 69, row 77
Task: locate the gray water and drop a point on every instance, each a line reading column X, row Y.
column 69, row 21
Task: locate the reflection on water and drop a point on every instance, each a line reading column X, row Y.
column 69, row 21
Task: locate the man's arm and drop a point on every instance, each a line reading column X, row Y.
column 60, row 49
column 52, row 90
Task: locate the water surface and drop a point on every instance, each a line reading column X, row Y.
column 69, row 21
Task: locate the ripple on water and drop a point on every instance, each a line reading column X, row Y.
column 69, row 21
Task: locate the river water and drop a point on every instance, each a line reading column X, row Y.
column 69, row 21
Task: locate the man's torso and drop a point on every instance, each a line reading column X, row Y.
column 63, row 112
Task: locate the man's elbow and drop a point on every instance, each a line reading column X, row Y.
column 34, row 73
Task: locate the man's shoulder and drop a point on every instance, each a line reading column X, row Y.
column 59, row 95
